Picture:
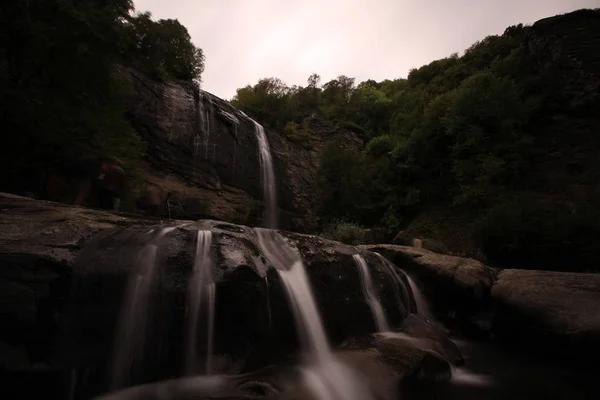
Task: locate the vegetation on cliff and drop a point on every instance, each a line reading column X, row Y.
column 450, row 152
column 63, row 95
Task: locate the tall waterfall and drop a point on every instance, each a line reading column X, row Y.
column 267, row 176
column 325, row 376
column 370, row 294
column 132, row 328
column 201, row 291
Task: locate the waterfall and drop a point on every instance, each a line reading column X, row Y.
column 201, row 126
column 401, row 293
column 132, row 327
column 370, row 294
column 422, row 306
column 201, row 291
column 324, row 375
column 207, row 135
column 267, row 176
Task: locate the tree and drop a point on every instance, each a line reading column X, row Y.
column 163, row 48
column 61, row 93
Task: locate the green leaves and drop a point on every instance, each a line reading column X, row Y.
column 163, row 48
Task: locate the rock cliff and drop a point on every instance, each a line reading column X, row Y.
column 204, row 153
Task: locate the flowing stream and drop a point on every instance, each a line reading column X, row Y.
column 324, row 375
column 394, row 273
column 371, row 295
column 201, row 292
column 129, row 347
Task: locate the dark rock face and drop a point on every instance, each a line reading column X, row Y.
column 38, row 243
column 458, row 288
column 64, row 272
column 533, row 308
column 253, row 316
column 205, row 152
column 565, row 50
column 550, row 306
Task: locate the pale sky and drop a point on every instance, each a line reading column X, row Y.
column 245, row 40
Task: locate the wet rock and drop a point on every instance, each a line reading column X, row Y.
column 469, row 276
column 421, row 328
column 13, row 358
column 254, row 322
column 552, row 307
column 204, row 152
column 385, row 359
column 457, row 288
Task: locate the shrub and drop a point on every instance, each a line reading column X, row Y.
column 345, row 232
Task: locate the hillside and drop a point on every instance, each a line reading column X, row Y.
column 492, row 153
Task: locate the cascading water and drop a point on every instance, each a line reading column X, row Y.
column 325, row 376
column 267, row 176
column 421, row 303
column 132, row 328
column 370, row 294
column 207, row 133
column 422, row 306
column 201, row 291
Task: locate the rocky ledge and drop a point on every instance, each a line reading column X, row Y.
column 64, row 269
column 527, row 306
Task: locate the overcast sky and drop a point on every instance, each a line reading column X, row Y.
column 245, row 40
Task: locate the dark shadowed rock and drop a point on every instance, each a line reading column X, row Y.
column 561, row 308
column 457, row 288
column 204, row 152
column 534, row 308
column 253, row 322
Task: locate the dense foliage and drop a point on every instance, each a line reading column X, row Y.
column 63, row 91
column 447, row 152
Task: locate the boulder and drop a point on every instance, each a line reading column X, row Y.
column 458, row 288
column 556, row 307
column 532, row 308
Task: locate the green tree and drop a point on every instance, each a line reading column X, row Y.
column 62, row 95
column 163, row 48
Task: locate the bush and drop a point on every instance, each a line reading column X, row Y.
column 530, row 233
column 345, row 232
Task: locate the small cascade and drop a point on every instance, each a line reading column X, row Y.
column 268, row 299
column 235, row 131
column 133, row 321
column 201, row 126
column 401, row 293
column 197, row 142
column 325, row 376
column 267, row 176
column 201, row 291
column 370, row 294
column 422, row 305
column 207, row 135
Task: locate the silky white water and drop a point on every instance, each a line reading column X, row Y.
column 421, row 303
column 324, row 375
column 132, row 327
column 371, row 295
column 201, row 292
column 267, row 177
column 400, row 291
